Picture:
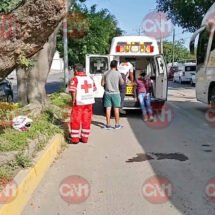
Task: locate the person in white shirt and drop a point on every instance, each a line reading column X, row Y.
column 127, row 71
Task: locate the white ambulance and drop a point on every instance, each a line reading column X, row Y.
column 143, row 53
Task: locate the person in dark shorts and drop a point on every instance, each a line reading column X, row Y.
column 111, row 81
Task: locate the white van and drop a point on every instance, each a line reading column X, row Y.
column 138, row 50
column 184, row 73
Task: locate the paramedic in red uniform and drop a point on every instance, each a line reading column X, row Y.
column 82, row 89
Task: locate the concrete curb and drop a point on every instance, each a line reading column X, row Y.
column 28, row 180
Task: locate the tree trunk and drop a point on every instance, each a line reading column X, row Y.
column 22, row 86
column 31, row 83
column 35, row 21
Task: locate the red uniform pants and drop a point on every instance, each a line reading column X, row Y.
column 81, row 118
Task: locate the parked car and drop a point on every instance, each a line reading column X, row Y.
column 171, row 72
column 6, row 91
column 184, row 73
column 193, row 80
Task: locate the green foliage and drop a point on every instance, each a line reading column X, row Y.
column 12, row 140
column 181, row 52
column 23, row 160
column 188, row 14
column 9, row 5
column 24, row 62
column 99, row 29
column 61, row 100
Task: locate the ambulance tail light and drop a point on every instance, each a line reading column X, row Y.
column 118, row 48
column 150, row 49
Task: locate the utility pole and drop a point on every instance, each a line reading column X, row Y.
column 161, row 36
column 65, row 40
column 173, row 48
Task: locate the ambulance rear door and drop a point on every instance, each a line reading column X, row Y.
column 96, row 65
column 161, row 78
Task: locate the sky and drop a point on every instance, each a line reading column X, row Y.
column 130, row 14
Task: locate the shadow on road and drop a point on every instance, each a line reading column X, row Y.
column 189, row 135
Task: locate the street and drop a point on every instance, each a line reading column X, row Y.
column 54, row 83
column 163, row 168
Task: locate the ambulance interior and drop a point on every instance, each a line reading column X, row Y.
column 140, row 64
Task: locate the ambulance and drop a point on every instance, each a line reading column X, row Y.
column 143, row 53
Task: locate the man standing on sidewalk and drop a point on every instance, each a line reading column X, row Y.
column 82, row 90
column 111, row 81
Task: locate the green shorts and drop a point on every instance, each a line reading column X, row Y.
column 112, row 100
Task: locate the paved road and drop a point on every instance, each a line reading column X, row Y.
column 119, row 166
column 54, row 83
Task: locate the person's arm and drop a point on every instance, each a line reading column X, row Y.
column 131, row 76
column 103, row 81
column 73, row 89
column 121, row 81
column 131, row 73
column 73, row 94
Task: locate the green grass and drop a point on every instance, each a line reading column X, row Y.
column 43, row 128
column 12, row 140
column 61, row 100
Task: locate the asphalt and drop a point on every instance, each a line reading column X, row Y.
column 117, row 166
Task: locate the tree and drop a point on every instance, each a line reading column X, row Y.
column 96, row 30
column 181, row 52
column 35, row 21
column 188, row 13
column 39, row 21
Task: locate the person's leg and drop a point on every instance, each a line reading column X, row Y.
column 116, row 114
column 108, row 115
column 148, row 105
column 122, row 95
column 116, row 100
column 87, row 113
column 141, row 98
column 75, row 124
column 108, row 105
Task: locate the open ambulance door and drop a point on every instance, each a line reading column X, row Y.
column 161, row 78
column 96, row 65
